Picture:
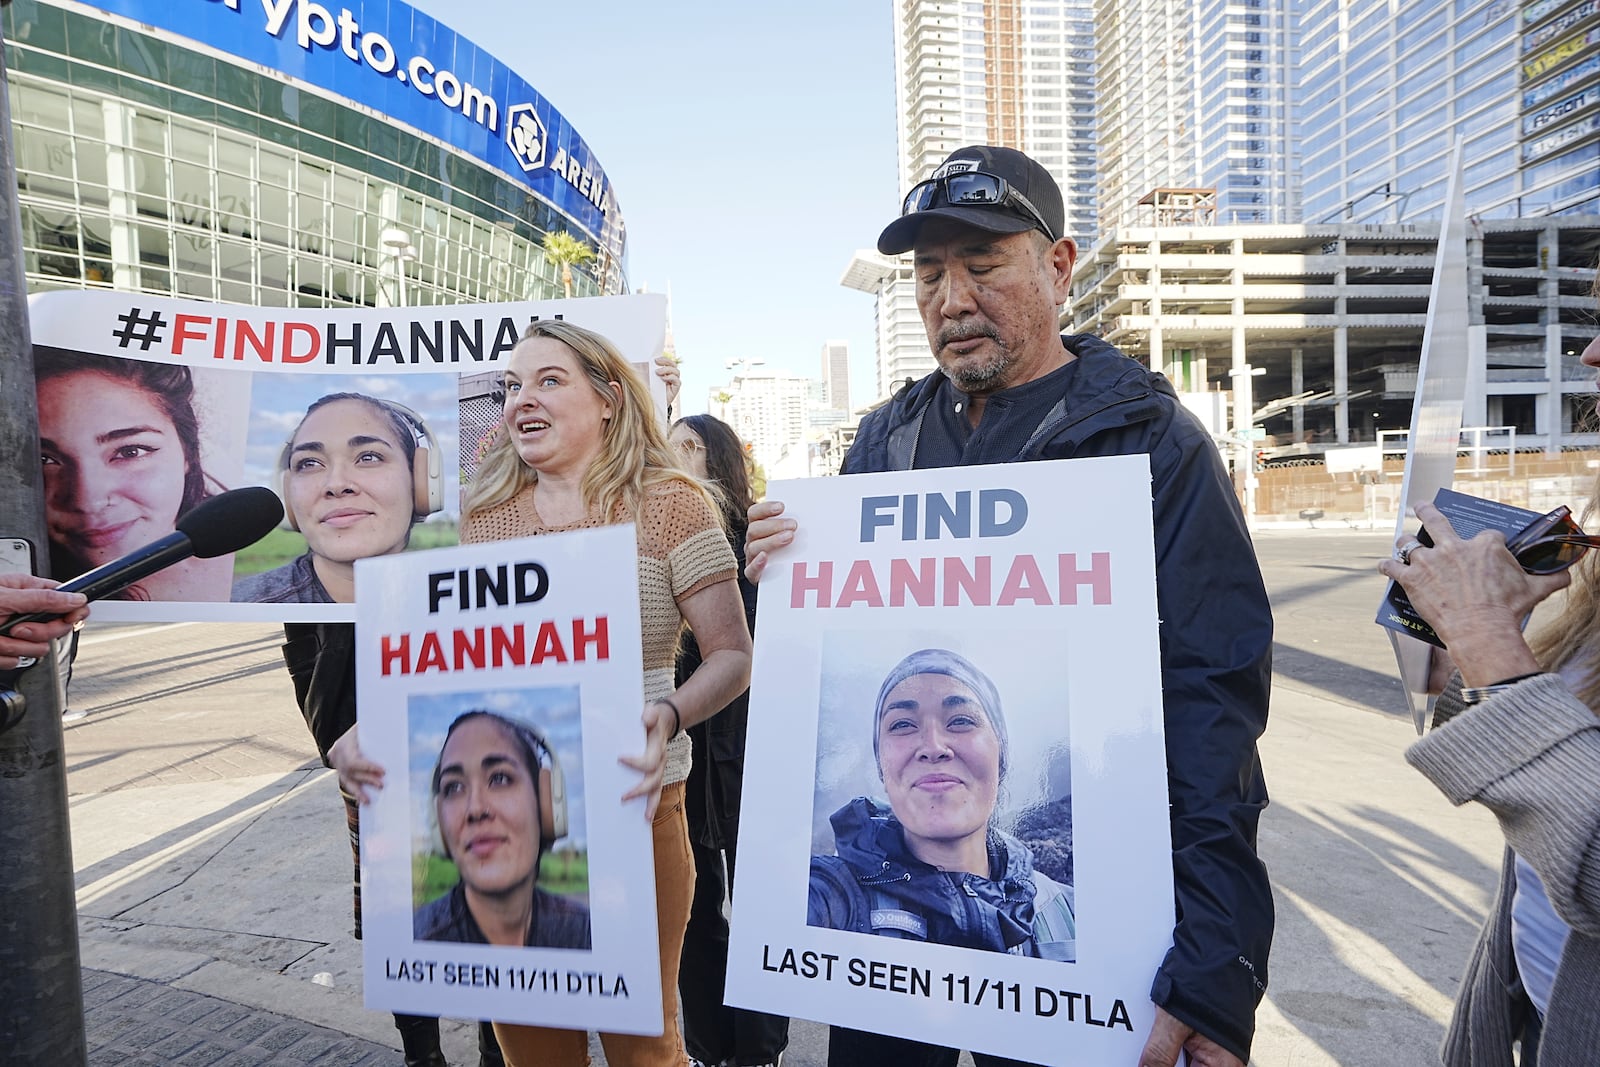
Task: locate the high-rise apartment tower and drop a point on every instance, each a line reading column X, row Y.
column 836, row 375
column 1018, row 73
column 1196, row 96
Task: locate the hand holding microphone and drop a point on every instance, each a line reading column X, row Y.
column 23, row 594
column 222, row 524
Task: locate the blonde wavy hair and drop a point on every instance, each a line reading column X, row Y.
column 634, row 454
column 1574, row 633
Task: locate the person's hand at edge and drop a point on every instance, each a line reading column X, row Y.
column 1169, row 1036
column 652, row 765
column 766, row 534
column 667, row 371
column 357, row 773
column 23, row 594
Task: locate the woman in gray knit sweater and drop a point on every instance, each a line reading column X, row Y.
column 1526, row 745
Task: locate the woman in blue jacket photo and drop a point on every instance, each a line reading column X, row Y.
column 932, row 865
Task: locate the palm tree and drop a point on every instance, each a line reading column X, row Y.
column 755, row 472
column 563, row 248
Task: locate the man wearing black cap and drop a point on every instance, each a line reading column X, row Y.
column 993, row 269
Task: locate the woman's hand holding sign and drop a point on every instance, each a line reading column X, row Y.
column 652, row 763
column 767, row 533
column 356, row 772
column 715, row 614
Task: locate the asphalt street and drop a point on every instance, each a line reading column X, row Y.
column 212, row 868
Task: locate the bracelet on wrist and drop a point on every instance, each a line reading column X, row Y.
column 677, row 717
column 1477, row 694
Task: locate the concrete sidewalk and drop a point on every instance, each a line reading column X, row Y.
column 211, row 861
column 137, row 1021
column 213, row 873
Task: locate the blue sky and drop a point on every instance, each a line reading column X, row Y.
column 752, row 148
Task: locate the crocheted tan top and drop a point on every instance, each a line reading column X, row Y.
column 682, row 550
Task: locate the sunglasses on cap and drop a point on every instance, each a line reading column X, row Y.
column 972, row 188
column 1551, row 543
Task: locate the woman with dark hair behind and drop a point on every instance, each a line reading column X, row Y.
column 120, row 448
column 352, row 459
column 714, row 1032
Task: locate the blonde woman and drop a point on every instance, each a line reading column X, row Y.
column 580, row 447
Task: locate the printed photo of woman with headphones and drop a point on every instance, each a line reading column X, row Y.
column 356, row 476
column 496, row 808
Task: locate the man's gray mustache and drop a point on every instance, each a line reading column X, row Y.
column 957, row 334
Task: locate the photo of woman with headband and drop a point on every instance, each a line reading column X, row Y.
column 498, row 804
column 120, row 446
column 355, row 477
column 932, row 864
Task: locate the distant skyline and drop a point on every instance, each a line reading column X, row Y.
column 752, row 150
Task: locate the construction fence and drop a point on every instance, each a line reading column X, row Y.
column 1532, row 480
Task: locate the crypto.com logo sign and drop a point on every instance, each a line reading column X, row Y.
column 525, row 136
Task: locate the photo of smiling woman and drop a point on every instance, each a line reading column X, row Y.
column 120, row 444
column 498, row 806
column 355, row 477
column 931, row 863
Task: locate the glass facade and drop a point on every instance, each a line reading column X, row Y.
column 144, row 164
column 1243, row 114
column 1145, row 86
column 1559, row 57
column 1519, row 83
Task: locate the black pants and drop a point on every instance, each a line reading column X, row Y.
column 857, row 1048
column 713, row 1031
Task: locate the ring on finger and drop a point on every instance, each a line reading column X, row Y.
column 1403, row 553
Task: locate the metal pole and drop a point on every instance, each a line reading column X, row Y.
column 41, row 983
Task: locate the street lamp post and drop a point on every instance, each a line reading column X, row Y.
column 1244, row 430
column 395, row 243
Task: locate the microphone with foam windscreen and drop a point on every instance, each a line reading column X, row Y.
column 222, row 524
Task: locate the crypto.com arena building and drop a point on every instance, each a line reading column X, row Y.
column 292, row 152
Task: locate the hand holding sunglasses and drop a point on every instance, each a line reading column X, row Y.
column 1551, row 543
column 1548, row 545
column 1463, row 587
column 1473, row 601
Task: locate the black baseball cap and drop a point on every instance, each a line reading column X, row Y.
column 1022, row 174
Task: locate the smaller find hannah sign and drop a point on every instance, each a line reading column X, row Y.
column 502, row 876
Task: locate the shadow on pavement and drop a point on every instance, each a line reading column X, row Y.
column 193, row 750
column 1373, row 936
column 200, row 827
column 1352, row 684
